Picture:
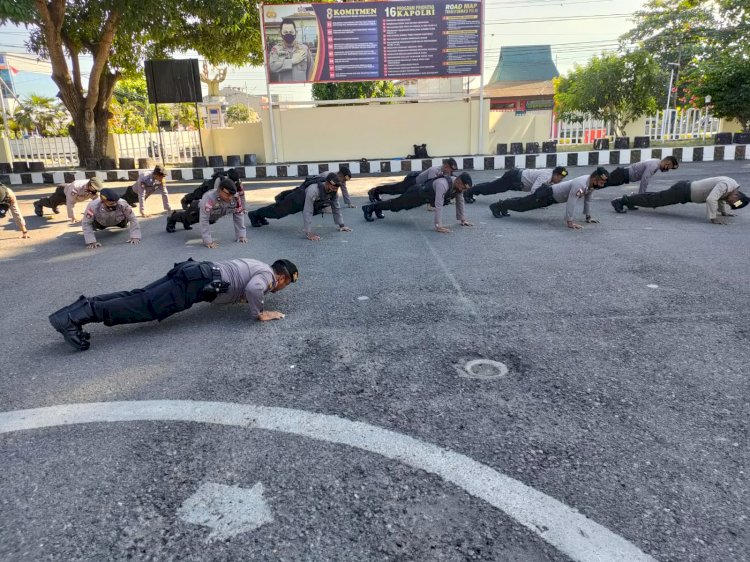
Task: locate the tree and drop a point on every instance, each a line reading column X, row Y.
column 42, row 115
column 118, row 34
column 613, row 88
column 237, row 113
column 356, row 90
column 726, row 78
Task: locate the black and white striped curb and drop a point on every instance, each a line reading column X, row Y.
column 583, row 158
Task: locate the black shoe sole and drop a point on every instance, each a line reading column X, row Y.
column 619, row 207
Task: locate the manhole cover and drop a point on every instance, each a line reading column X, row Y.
column 482, row 369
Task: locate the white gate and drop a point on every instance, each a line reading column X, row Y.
column 55, row 152
column 177, row 147
column 679, row 124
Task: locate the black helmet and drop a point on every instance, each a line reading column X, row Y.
column 560, row 171
column 109, row 194
column 233, row 174
column 743, row 201
column 601, row 173
column 333, row 179
column 159, row 171
column 466, row 179
column 345, row 172
column 452, row 163
column 228, row 185
column 286, row 267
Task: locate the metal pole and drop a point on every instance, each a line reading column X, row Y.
column 200, row 137
column 161, row 137
column 669, row 95
column 6, row 116
column 268, row 86
column 480, row 147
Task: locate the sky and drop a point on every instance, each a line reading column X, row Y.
column 576, row 29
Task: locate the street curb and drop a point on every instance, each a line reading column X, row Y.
column 622, row 157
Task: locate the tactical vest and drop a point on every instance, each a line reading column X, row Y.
column 325, row 199
column 428, row 189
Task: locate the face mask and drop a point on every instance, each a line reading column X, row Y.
column 289, row 37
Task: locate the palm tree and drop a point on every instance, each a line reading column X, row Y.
column 41, row 114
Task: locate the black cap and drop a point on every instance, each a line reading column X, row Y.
column 288, row 267
column 159, row 170
column 346, row 172
column 229, row 185
column 601, row 173
column 743, row 201
column 333, row 179
column 466, row 179
column 233, row 174
column 451, row 162
column 109, row 194
column 560, row 171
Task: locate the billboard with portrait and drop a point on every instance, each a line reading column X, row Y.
column 358, row 41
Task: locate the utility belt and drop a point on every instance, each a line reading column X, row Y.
column 206, row 275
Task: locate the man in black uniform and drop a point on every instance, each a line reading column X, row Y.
column 187, row 283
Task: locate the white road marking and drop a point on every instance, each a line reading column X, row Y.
column 363, row 298
column 228, row 510
column 652, row 286
column 561, row 526
column 483, row 369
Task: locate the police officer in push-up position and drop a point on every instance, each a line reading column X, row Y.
column 435, row 192
column 720, row 194
column 223, row 200
column 641, row 172
column 71, row 193
column 145, row 186
column 107, row 211
column 344, row 175
column 187, row 283
column 8, row 202
column 311, row 200
column 564, row 192
column 446, row 169
column 517, row 180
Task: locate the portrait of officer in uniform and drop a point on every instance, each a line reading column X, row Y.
column 290, row 59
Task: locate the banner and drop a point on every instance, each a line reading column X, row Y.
column 359, row 41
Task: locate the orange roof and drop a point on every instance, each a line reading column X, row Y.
column 519, row 89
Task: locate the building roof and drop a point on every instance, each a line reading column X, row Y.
column 530, row 63
column 519, row 89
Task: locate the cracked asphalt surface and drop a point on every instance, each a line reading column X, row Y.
column 627, row 402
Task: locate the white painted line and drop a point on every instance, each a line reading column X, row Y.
column 363, row 298
column 561, row 526
column 228, row 510
column 652, row 286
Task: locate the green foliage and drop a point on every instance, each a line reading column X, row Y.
column 41, row 115
column 237, row 113
column 356, row 90
column 614, row 88
column 726, row 78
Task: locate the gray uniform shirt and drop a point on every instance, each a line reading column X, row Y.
column 213, row 208
column 280, row 62
column 643, row 171
column 442, row 187
column 534, row 179
column 77, row 192
column 570, row 191
column 712, row 191
column 312, row 194
column 249, row 280
column 343, row 189
column 96, row 211
column 12, row 202
column 429, row 173
column 146, row 185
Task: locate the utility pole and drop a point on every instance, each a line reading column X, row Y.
column 669, row 96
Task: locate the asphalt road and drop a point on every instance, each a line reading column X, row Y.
column 626, row 398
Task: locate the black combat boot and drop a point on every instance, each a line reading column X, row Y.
column 373, row 196
column 38, row 208
column 255, row 219
column 368, row 210
column 619, row 205
column 68, row 322
column 186, row 222
column 171, row 222
column 468, row 197
column 379, row 214
column 498, row 211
